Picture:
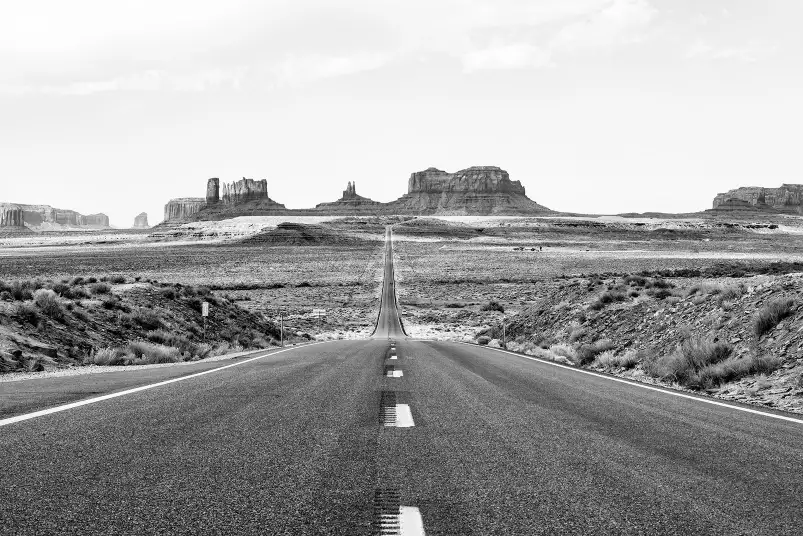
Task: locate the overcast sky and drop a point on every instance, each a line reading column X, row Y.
column 598, row 106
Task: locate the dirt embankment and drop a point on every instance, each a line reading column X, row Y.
column 54, row 324
column 738, row 338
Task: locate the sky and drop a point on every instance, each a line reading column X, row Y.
column 596, row 106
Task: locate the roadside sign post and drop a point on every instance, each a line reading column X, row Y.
column 204, row 314
column 319, row 313
column 281, row 328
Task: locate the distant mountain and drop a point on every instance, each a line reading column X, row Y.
column 45, row 217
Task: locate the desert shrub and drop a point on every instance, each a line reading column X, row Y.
column 576, row 332
column 661, row 283
column 482, row 340
column 612, row 296
column 563, row 350
column 493, row 306
column 203, row 291
column 611, row 360
column 195, row 304
column 684, row 363
column 661, row 294
column 735, row 368
column 304, row 284
column 147, row 319
column 635, row 280
column 21, row 290
column 49, row 303
column 60, row 288
column 454, row 305
column 117, row 279
column 169, row 338
column 633, row 294
column 5, row 295
column 80, row 315
column 169, row 293
column 75, row 293
column 27, row 312
column 109, row 356
column 771, row 314
column 77, row 281
column 146, row 353
column 586, row 353
column 111, row 302
column 100, row 288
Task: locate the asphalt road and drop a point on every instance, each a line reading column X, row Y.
column 292, row 443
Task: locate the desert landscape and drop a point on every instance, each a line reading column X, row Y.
column 704, row 302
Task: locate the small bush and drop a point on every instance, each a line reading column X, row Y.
column 771, row 314
column 100, row 288
column 586, row 353
column 147, row 319
column 454, row 305
column 111, row 303
column 611, row 360
column 27, row 312
column 21, row 290
column 60, row 288
column 685, row 362
column 92, row 280
column 563, row 350
column 661, row 294
column 76, row 293
column 77, row 281
column 117, row 279
column 47, row 301
column 169, row 293
column 493, row 306
column 735, row 368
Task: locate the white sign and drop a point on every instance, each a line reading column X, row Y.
column 319, row 312
column 205, row 309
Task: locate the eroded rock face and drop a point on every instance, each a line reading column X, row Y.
column 183, row 208
column 478, row 179
column 787, row 198
column 476, row 190
column 47, row 217
column 141, row 221
column 351, row 203
column 243, row 191
column 11, row 216
column 212, row 191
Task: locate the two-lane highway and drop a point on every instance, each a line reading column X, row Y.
column 345, row 437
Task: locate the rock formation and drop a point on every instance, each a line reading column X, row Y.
column 476, row 190
column 212, row 191
column 183, row 208
column 141, row 221
column 785, row 199
column 243, row 191
column 351, row 203
column 11, row 217
column 46, row 217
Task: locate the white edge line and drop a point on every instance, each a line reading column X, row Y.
column 71, row 405
column 638, row 384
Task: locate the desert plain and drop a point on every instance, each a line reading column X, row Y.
column 709, row 305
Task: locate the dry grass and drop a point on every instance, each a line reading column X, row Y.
column 686, row 362
column 771, row 314
column 611, row 360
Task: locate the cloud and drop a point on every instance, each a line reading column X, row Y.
column 615, row 24
column 748, row 53
column 515, row 56
column 296, row 70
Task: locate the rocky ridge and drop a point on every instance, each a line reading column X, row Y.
column 46, row 217
column 481, row 190
column 786, row 199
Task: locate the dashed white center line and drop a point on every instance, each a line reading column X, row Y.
column 393, row 357
column 410, row 522
column 404, row 418
column 394, row 374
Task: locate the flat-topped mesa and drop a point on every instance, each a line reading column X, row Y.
column 788, row 199
column 477, row 179
column 45, row 217
column 484, row 190
column 183, row 208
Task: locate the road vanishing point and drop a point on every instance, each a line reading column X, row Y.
column 389, row 435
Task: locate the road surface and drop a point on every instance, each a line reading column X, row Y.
column 302, row 441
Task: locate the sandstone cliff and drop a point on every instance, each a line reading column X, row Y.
column 477, row 190
column 11, row 218
column 183, row 208
column 46, row 217
column 785, row 199
column 141, row 221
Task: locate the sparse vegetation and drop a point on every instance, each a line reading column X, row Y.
column 49, row 304
column 686, row 362
column 586, row 353
column 770, row 315
column 100, row 288
column 493, row 306
column 611, row 360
